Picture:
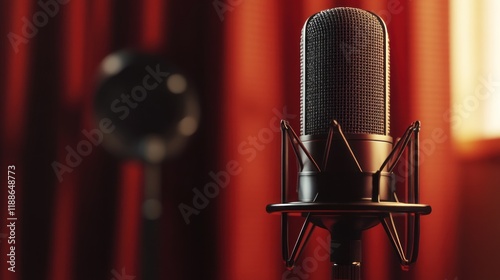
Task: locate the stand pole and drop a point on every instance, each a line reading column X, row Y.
column 346, row 271
column 345, row 255
column 151, row 222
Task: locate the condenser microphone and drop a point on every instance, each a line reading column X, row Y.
column 345, row 77
column 345, row 153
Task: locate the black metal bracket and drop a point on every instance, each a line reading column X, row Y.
column 384, row 210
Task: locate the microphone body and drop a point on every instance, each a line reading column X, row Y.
column 344, row 77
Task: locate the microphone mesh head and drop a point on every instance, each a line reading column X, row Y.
column 344, row 73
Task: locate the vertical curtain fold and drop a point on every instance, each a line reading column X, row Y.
column 429, row 88
column 252, row 104
column 72, row 76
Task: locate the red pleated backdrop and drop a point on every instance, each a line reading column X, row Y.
column 244, row 58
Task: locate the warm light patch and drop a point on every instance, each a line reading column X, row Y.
column 475, row 70
column 492, row 61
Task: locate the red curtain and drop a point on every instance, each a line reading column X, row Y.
column 243, row 56
column 420, row 90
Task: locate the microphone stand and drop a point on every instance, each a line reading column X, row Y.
column 346, row 271
column 345, row 255
column 151, row 212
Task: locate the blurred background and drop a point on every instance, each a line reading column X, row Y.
column 84, row 221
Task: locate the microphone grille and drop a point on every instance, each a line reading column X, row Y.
column 345, row 72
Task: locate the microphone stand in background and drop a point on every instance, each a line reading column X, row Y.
column 154, row 110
